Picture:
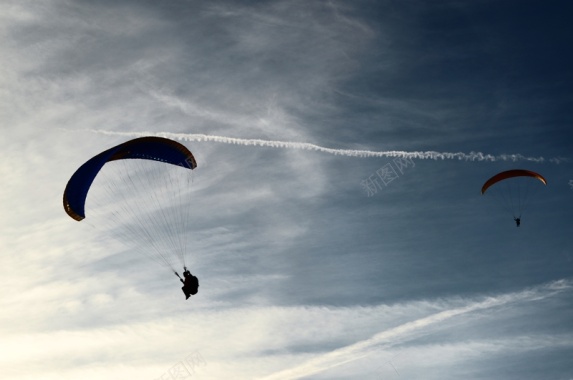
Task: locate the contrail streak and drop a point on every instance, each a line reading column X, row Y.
column 422, row 155
column 364, row 348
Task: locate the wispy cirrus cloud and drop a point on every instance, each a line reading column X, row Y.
column 408, row 330
column 229, row 335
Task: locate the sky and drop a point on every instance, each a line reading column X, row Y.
column 335, row 223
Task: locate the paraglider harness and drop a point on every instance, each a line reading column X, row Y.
column 190, row 283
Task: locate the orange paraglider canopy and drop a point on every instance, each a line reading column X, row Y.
column 510, row 174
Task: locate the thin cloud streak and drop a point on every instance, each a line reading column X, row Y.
column 422, row 155
column 364, row 348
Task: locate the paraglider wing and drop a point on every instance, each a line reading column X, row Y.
column 510, row 174
column 146, row 148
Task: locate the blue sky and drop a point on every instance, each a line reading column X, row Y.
column 288, row 107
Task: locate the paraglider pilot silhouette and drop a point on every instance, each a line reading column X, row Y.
column 190, row 284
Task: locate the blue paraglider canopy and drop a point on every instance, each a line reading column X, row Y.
column 145, row 148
